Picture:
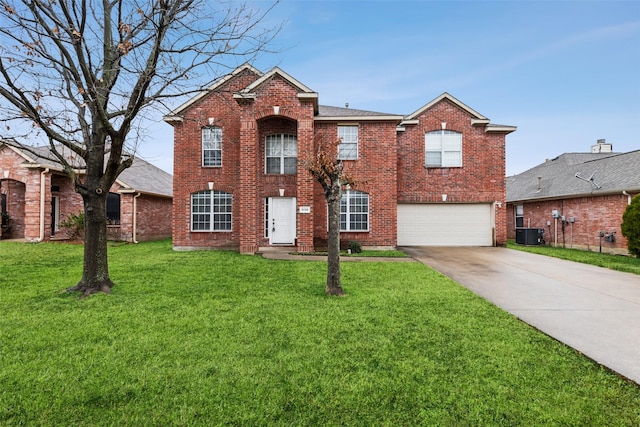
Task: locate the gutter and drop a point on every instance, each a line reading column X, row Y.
column 135, row 218
column 42, row 202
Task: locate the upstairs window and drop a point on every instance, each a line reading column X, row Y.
column 281, row 154
column 443, row 148
column 211, row 211
column 354, row 211
column 211, row 146
column 348, row 148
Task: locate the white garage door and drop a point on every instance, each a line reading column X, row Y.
column 445, row 225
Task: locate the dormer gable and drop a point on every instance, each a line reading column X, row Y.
column 477, row 119
column 304, row 92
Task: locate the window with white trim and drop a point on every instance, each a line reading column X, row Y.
column 443, row 148
column 211, row 146
column 211, row 211
column 348, row 147
column 519, row 213
column 281, row 154
column 354, row 211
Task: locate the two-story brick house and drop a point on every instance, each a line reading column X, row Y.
column 435, row 177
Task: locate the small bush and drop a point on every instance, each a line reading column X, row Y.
column 73, row 226
column 631, row 226
column 355, row 247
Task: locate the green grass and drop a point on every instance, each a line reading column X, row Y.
column 217, row 338
column 382, row 253
column 614, row 262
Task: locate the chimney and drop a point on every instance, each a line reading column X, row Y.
column 602, row 147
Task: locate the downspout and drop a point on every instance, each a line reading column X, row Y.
column 43, row 189
column 624, row 193
column 135, row 218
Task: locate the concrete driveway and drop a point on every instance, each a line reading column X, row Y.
column 594, row 310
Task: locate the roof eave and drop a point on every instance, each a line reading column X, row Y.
column 596, row 193
column 389, row 118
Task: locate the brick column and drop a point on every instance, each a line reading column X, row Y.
column 246, row 198
column 305, row 185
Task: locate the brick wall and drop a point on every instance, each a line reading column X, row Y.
column 481, row 179
column 375, row 173
column 190, row 176
column 592, row 215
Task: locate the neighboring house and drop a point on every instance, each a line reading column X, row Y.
column 38, row 196
column 577, row 198
column 435, row 177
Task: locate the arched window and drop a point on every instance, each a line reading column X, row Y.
column 211, row 146
column 354, row 211
column 443, row 149
column 211, row 211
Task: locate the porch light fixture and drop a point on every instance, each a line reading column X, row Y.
column 210, row 185
column 211, row 120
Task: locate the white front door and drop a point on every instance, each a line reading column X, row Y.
column 282, row 220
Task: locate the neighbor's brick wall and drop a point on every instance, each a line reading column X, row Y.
column 153, row 217
column 481, row 179
column 592, row 215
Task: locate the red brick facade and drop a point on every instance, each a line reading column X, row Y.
column 592, row 216
column 390, row 168
column 39, row 198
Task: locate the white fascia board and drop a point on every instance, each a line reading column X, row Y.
column 358, row 119
column 500, row 128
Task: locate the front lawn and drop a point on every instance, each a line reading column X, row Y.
column 217, row 338
column 614, row 262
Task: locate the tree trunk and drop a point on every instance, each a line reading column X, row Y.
column 334, row 283
column 95, row 273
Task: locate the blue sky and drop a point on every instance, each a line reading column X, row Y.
column 565, row 73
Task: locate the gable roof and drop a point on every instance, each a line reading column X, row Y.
column 303, row 91
column 141, row 176
column 476, row 118
column 568, row 175
column 175, row 114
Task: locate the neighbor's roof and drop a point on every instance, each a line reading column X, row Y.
column 597, row 174
column 142, row 176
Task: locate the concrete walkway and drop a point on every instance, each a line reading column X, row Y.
column 591, row 309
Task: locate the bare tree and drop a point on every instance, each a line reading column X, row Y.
column 327, row 169
column 82, row 76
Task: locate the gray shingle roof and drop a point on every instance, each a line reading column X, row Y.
column 142, row 176
column 329, row 111
column 611, row 172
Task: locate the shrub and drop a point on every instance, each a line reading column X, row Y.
column 73, row 225
column 355, row 247
column 631, row 226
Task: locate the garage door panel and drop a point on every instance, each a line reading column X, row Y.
column 445, row 225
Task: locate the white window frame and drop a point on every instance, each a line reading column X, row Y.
column 211, row 144
column 215, row 211
column 349, row 211
column 348, row 147
column 518, row 212
column 283, row 152
column 443, row 149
